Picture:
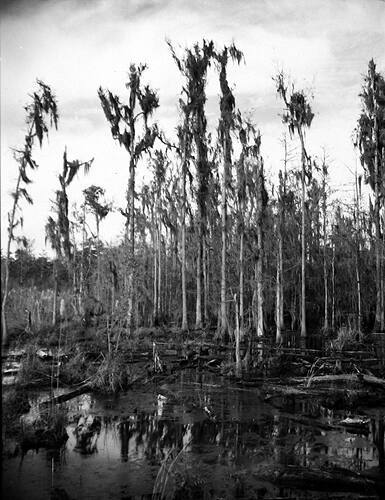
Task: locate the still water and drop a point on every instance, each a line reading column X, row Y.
column 195, row 436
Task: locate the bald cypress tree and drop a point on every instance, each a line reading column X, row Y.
column 194, row 66
column 93, row 201
column 41, row 113
column 57, row 229
column 298, row 116
column 226, row 125
column 371, row 143
column 125, row 121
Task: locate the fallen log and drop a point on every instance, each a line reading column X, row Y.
column 336, row 479
column 282, row 390
column 67, row 396
column 311, row 422
column 346, row 377
column 356, row 425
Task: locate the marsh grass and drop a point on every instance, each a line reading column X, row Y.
column 347, row 337
column 33, row 370
column 112, row 375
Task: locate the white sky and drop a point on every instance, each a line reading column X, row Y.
column 76, row 46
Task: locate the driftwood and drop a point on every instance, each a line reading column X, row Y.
column 357, row 425
column 67, row 396
column 311, row 422
column 331, row 479
column 369, row 380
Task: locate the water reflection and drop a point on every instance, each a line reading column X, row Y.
column 86, row 433
column 193, row 432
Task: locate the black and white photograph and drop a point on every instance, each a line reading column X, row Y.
column 192, row 249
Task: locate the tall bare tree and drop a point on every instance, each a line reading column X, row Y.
column 184, row 135
column 58, row 229
column 358, row 229
column 194, row 67
column 226, row 125
column 281, row 216
column 325, row 240
column 371, row 143
column 125, row 120
column 279, row 318
column 100, row 210
column 260, row 213
column 41, row 113
column 250, row 140
column 159, row 164
column 298, row 116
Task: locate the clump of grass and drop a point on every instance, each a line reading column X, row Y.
column 76, row 370
column 33, row 370
column 112, row 375
column 347, row 338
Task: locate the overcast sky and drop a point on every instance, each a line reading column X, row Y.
column 76, row 46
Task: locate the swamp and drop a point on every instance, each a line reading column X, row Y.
column 195, row 308
column 181, row 423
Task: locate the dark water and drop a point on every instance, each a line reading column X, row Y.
column 194, row 437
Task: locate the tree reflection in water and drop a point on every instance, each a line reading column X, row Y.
column 199, row 437
column 87, row 432
column 264, row 441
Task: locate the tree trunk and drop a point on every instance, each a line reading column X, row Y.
column 184, row 294
column 241, row 225
column 98, row 258
column 358, row 251
column 379, row 320
column 55, row 292
column 159, row 306
column 279, row 291
column 226, row 107
column 208, row 268
column 382, row 278
column 199, row 159
column 75, row 278
column 358, row 281
column 237, row 340
column 155, row 280
column 259, row 264
column 241, row 285
column 223, row 255
column 260, row 327
column 333, row 285
column 325, row 269
column 279, row 285
column 167, row 271
column 303, row 256
column 82, row 266
column 131, row 243
column 205, row 283
column 379, row 312
column 303, row 241
column 279, row 294
column 7, row 257
column 198, row 311
column 255, row 299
